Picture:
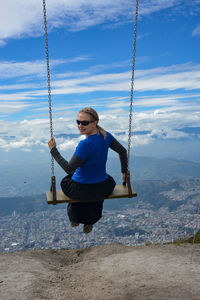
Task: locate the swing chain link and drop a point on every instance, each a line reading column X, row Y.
column 48, row 80
column 132, row 82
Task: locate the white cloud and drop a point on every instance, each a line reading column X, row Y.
column 2, row 43
column 22, row 18
column 69, row 144
column 173, row 110
column 160, row 123
column 196, row 31
column 13, row 107
column 37, row 68
column 16, row 69
column 148, row 7
column 19, row 86
column 184, row 76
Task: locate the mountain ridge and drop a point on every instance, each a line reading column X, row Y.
column 155, row 193
column 35, row 179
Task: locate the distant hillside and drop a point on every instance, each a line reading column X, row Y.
column 156, row 193
column 159, row 193
column 165, row 169
column 149, row 168
column 23, row 204
column 35, row 178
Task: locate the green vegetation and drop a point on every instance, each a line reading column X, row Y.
column 80, row 251
column 64, row 249
column 195, row 239
column 149, row 244
column 192, row 240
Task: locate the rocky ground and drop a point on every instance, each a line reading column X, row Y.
column 109, row 272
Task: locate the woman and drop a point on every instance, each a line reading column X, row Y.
column 87, row 180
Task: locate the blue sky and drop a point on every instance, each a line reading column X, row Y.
column 90, row 48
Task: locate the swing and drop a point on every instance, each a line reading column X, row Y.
column 120, row 191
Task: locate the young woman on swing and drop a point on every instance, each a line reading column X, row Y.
column 88, row 181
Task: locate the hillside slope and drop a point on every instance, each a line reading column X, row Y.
column 35, row 178
column 109, row 272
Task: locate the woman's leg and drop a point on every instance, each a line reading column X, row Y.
column 87, row 228
column 85, row 213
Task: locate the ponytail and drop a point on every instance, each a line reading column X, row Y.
column 102, row 131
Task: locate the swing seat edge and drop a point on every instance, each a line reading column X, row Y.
column 120, row 191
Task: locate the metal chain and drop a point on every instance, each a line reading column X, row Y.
column 132, row 82
column 48, row 80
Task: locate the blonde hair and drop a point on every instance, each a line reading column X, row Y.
column 90, row 111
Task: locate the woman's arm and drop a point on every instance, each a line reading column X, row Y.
column 117, row 147
column 68, row 167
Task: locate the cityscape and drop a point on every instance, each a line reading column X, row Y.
column 133, row 226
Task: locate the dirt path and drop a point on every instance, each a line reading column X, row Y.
column 110, row 272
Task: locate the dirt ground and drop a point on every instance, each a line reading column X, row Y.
column 109, row 272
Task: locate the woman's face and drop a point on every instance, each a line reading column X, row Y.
column 89, row 129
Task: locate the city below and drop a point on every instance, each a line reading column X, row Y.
column 133, row 226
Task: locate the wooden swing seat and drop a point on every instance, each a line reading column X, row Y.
column 120, row 191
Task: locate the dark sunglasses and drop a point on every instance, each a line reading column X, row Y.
column 84, row 123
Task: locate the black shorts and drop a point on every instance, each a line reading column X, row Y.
column 87, row 192
column 91, row 196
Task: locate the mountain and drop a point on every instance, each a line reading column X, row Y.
column 24, row 204
column 153, row 193
column 159, row 193
column 33, row 177
column 149, row 168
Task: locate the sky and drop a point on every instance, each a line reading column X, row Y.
column 90, row 51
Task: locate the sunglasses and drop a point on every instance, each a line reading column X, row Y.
column 84, row 123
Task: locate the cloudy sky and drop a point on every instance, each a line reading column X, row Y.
column 90, row 49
